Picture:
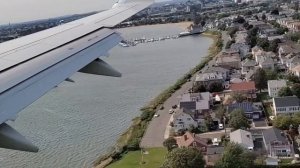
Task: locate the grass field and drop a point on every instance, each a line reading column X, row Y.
column 153, row 159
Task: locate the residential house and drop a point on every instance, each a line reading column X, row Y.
column 286, row 105
column 243, row 138
column 218, row 70
column 293, row 62
column 264, row 33
column 229, row 60
column 266, row 63
column 184, row 119
column 274, row 86
column 197, row 97
column 255, row 50
column 286, row 48
column 242, row 48
column 192, row 140
column 248, row 65
column 205, row 79
column 246, row 88
column 276, row 143
column 296, row 70
column 250, row 110
column 241, row 37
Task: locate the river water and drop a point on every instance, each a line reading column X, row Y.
column 76, row 122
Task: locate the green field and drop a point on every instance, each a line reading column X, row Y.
column 153, row 159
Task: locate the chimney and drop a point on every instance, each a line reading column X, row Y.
column 185, row 137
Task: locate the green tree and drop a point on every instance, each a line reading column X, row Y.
column 285, row 91
column 184, row 158
column 199, row 88
column 271, row 74
column 228, row 44
column 238, row 97
column 235, row 156
column 170, row 143
column 293, row 78
column 239, row 19
column 263, row 17
column 282, row 122
column 282, row 30
column 273, row 45
column 275, row 12
column 296, row 89
column 209, row 122
column 221, row 113
column 215, row 87
column 238, row 119
column 260, row 79
column 231, row 31
column 263, row 43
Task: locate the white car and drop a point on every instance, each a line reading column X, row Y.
column 221, row 126
column 156, row 115
column 171, row 111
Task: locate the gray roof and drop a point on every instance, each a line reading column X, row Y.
column 247, row 107
column 273, row 134
column 248, row 63
column 215, row 150
column 286, row 101
column 276, row 83
column 189, row 105
column 242, row 137
column 216, row 69
column 208, row 76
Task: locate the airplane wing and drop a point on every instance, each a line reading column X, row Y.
column 32, row 65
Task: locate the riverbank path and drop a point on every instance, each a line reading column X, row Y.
column 155, row 133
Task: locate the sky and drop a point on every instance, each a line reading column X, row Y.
column 14, row 11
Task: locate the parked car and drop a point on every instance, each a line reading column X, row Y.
column 156, row 115
column 171, row 111
column 221, row 126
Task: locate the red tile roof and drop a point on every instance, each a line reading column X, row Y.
column 242, row 86
column 188, row 139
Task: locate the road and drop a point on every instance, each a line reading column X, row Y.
column 155, row 133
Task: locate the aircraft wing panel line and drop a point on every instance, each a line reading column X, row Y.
column 23, row 94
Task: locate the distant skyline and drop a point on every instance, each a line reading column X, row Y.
column 15, row 11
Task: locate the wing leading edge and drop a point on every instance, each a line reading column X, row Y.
column 32, row 65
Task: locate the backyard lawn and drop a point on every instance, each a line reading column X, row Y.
column 153, row 158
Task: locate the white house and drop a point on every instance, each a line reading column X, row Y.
column 274, row 86
column 183, row 120
column 286, row 105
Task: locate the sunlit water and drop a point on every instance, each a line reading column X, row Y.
column 76, row 122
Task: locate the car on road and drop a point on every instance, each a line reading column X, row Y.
column 171, row 111
column 156, row 115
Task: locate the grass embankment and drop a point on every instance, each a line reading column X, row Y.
column 130, row 140
column 134, row 159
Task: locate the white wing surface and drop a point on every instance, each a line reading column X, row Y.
column 32, row 65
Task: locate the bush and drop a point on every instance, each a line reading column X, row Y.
column 133, row 144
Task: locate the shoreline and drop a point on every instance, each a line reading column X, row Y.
column 130, row 139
